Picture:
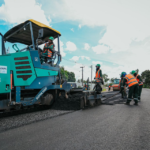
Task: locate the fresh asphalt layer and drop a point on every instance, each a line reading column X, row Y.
column 66, row 106
column 106, row 127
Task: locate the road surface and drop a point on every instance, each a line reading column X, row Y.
column 106, row 127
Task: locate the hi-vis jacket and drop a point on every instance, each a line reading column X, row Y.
column 138, row 80
column 131, row 80
column 47, row 49
column 97, row 76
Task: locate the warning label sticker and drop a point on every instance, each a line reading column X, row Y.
column 3, row 69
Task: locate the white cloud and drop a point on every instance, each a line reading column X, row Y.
column 100, row 49
column 72, row 29
column 127, row 27
column 80, row 26
column 78, row 72
column 61, row 47
column 75, row 58
column 97, row 62
column 85, row 57
column 86, row 46
column 70, row 46
column 114, row 72
column 18, row 11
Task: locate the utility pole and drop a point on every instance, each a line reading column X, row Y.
column 82, row 75
column 91, row 75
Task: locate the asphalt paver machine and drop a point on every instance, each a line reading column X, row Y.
column 24, row 80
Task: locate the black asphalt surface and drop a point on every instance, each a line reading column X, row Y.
column 106, row 127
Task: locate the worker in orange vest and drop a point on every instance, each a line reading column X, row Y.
column 48, row 48
column 99, row 79
column 98, row 74
column 133, row 88
column 139, row 80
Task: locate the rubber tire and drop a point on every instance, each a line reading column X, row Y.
column 82, row 105
column 99, row 102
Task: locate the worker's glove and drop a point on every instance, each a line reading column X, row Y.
column 53, row 51
column 102, row 82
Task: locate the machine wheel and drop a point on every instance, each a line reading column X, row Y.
column 47, row 99
column 17, row 107
column 99, row 101
column 82, row 103
column 91, row 103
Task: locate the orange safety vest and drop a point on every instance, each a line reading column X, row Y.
column 109, row 86
column 131, row 80
column 97, row 76
column 49, row 52
column 138, row 80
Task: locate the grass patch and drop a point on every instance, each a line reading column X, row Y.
column 104, row 90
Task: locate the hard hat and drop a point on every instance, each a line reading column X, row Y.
column 133, row 71
column 51, row 38
column 98, row 65
column 124, row 74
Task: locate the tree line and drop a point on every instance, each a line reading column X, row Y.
column 68, row 76
column 145, row 75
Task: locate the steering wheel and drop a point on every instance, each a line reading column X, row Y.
column 15, row 47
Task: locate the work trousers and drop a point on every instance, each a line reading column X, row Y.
column 133, row 91
column 43, row 58
column 140, row 91
column 123, row 92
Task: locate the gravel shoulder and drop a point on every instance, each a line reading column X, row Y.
column 24, row 119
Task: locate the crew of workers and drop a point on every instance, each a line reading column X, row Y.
column 135, row 84
column 132, row 80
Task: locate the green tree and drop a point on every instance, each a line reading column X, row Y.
column 112, row 79
column 105, row 77
column 137, row 71
column 79, row 81
column 69, row 76
column 146, row 77
column 110, row 84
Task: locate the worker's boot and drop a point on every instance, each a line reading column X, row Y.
column 136, row 103
column 124, row 96
column 139, row 99
column 127, row 102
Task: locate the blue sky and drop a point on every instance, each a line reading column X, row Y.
column 114, row 34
